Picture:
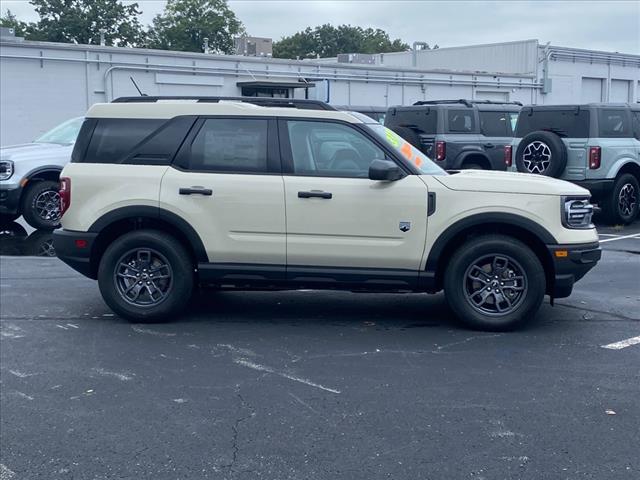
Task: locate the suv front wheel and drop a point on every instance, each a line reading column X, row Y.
column 494, row 282
column 146, row 276
column 621, row 206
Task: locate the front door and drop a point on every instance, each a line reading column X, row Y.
column 338, row 217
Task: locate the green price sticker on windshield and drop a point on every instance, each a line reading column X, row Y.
column 393, row 138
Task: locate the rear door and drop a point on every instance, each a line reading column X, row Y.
column 616, row 139
column 226, row 183
column 337, row 218
column 496, row 129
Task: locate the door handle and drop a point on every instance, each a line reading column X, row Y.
column 196, row 191
column 315, row 194
column 489, row 145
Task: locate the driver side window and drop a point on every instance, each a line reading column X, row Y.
column 325, row 149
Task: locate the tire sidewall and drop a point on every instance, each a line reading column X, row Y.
column 558, row 160
column 614, row 213
column 481, row 246
column 28, row 206
column 182, row 271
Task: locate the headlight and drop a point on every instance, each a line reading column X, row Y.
column 6, row 169
column 577, row 212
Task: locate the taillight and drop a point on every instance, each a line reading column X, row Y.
column 595, row 155
column 507, row 156
column 441, row 151
column 65, row 194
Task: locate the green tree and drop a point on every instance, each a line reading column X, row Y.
column 20, row 28
column 185, row 24
column 80, row 21
column 328, row 41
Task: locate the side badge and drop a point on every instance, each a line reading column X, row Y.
column 405, row 226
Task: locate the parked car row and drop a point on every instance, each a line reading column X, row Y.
column 596, row 146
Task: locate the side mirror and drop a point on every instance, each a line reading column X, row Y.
column 385, row 171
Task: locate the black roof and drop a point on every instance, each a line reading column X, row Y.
column 262, row 101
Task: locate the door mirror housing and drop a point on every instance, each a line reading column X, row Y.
column 385, row 171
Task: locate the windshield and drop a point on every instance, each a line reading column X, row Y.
column 408, row 151
column 64, row 134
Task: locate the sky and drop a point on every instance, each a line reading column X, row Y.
column 611, row 25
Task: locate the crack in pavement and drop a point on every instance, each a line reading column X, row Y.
column 602, row 312
column 235, row 427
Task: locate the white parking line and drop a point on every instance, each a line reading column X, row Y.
column 622, row 343
column 635, row 235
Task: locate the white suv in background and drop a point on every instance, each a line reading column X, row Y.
column 160, row 196
column 29, row 176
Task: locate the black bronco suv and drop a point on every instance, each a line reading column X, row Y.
column 458, row 134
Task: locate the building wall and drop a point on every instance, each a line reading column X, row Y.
column 43, row 84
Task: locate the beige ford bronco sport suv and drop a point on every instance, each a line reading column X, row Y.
column 160, row 196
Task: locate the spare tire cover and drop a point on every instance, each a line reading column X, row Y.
column 542, row 153
column 409, row 135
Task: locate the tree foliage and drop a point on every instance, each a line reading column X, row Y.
column 20, row 28
column 80, row 21
column 328, row 41
column 185, row 24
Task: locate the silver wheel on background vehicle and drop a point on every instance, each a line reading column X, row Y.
column 47, row 206
column 143, row 277
column 495, row 285
column 536, row 157
column 627, row 199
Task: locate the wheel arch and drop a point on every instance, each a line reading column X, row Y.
column 44, row 173
column 527, row 231
column 476, row 157
column 623, row 166
column 127, row 219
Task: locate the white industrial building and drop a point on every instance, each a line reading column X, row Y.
column 43, row 84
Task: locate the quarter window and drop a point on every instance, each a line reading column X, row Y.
column 330, row 150
column 635, row 119
column 114, row 138
column 495, row 124
column 461, row 121
column 230, row 145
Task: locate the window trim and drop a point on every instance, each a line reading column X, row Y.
column 274, row 164
column 287, row 153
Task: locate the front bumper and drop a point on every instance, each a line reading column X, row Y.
column 10, row 199
column 74, row 249
column 571, row 263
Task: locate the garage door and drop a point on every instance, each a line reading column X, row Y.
column 591, row 90
column 620, row 91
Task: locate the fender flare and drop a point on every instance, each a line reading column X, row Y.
column 171, row 218
column 39, row 170
column 619, row 164
column 463, row 155
column 478, row 219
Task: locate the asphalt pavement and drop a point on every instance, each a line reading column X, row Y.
column 318, row 385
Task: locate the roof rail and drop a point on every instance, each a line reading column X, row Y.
column 468, row 103
column 262, row 101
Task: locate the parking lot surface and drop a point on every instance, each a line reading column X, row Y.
column 318, row 385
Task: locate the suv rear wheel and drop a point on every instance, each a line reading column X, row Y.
column 494, row 282
column 146, row 276
column 41, row 205
column 621, row 206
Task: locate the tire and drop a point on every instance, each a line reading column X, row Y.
column 40, row 244
column 507, row 258
column 146, row 248
column 542, row 153
column 41, row 205
column 621, row 204
column 472, row 166
column 409, row 135
column 6, row 218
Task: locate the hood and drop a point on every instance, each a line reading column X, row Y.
column 35, row 151
column 509, row 182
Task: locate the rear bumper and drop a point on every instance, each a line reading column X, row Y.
column 10, row 199
column 74, row 249
column 571, row 263
column 598, row 188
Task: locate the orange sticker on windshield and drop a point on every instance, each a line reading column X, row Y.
column 406, row 150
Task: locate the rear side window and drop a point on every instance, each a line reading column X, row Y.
column 461, row 121
column 635, row 120
column 613, row 123
column 230, row 145
column 572, row 123
column 114, row 138
column 423, row 120
column 495, row 124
